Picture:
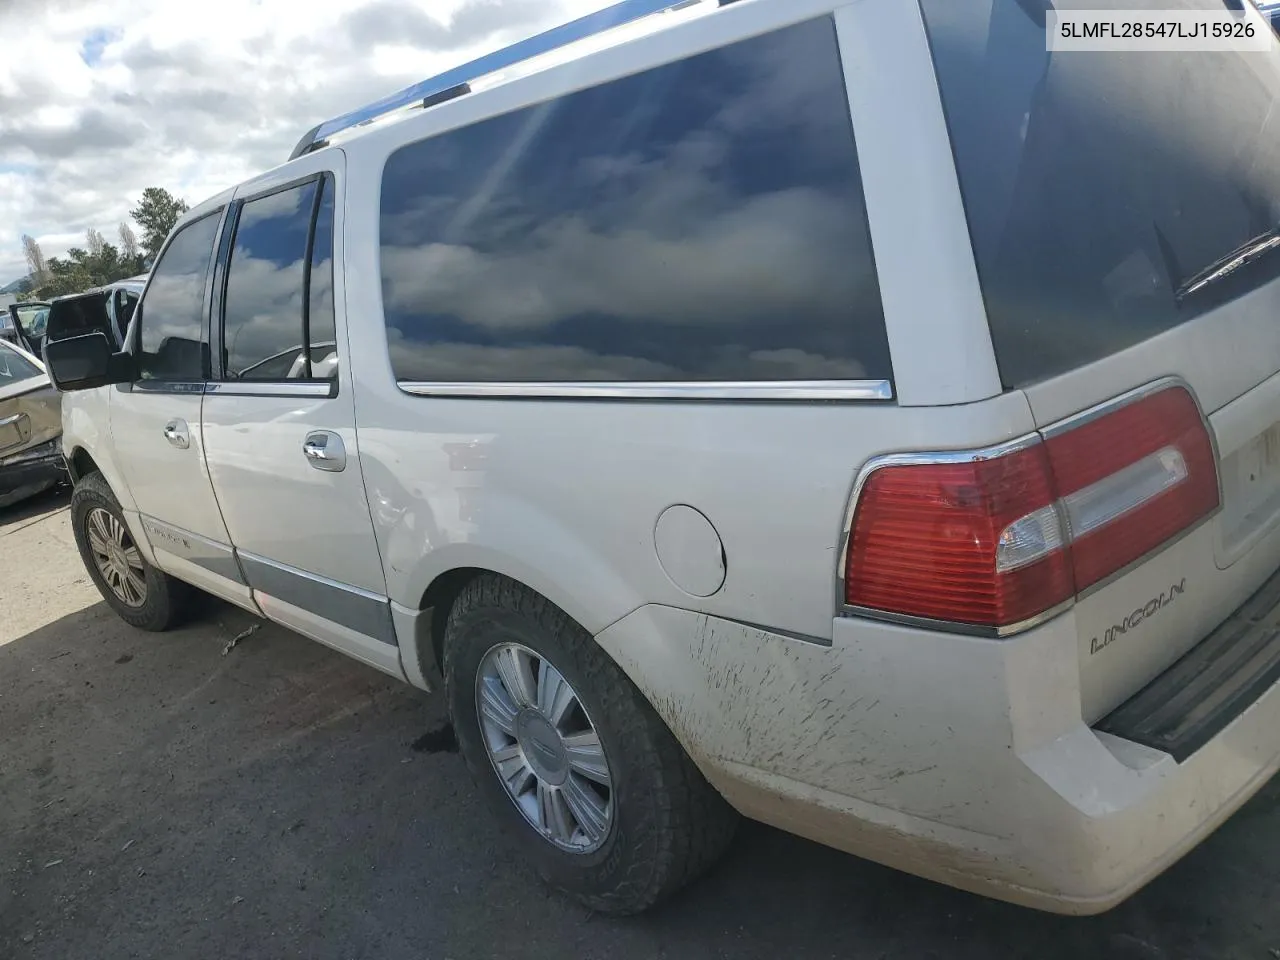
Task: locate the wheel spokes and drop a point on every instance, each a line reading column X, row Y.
column 96, row 543
column 554, row 813
column 586, row 757
column 513, row 768
column 497, row 707
column 134, row 586
column 98, row 526
column 517, row 676
column 544, row 747
column 116, row 556
column 555, row 696
column 591, row 812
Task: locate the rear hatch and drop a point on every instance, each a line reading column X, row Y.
column 1124, row 210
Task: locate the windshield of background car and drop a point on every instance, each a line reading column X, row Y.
column 1098, row 185
column 14, row 366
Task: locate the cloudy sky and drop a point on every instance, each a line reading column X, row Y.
column 101, row 98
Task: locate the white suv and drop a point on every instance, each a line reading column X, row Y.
column 919, row 496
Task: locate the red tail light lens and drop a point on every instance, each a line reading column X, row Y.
column 996, row 541
column 1133, row 479
column 927, row 541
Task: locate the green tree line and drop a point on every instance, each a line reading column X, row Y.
column 98, row 262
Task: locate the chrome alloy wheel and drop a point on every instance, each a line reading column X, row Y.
column 544, row 747
column 116, row 557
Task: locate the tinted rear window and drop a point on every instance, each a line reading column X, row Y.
column 14, row 366
column 700, row 221
column 1098, row 185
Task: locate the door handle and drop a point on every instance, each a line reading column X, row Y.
column 325, row 451
column 176, row 432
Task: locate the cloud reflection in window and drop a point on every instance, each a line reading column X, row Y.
column 700, row 221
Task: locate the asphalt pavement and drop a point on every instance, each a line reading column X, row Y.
column 181, row 796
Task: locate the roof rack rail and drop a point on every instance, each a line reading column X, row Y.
column 457, row 82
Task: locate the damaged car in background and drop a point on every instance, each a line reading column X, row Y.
column 30, row 427
column 31, row 459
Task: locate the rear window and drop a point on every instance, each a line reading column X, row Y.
column 14, row 366
column 1100, row 186
column 701, row 221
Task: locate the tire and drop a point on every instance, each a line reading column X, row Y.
column 164, row 601
column 666, row 824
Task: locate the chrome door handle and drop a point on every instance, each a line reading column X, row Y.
column 176, row 432
column 325, row 450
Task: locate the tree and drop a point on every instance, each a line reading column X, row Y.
column 93, row 240
column 128, row 243
column 156, row 214
column 82, row 270
column 35, row 260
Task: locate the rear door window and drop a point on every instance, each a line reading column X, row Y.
column 700, row 221
column 1100, row 187
column 278, row 296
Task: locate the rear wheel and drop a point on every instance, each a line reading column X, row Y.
column 597, row 793
column 140, row 594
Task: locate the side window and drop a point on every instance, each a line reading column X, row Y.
column 322, row 328
column 279, row 282
column 171, row 335
column 701, row 221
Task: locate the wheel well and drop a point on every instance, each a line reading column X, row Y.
column 436, row 604
column 81, row 464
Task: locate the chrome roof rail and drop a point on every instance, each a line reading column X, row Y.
column 457, row 82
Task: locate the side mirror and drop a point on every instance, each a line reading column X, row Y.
column 85, row 362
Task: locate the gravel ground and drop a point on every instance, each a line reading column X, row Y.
column 160, row 797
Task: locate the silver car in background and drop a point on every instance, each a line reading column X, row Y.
column 30, row 427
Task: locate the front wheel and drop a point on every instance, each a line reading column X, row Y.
column 141, row 595
column 597, row 792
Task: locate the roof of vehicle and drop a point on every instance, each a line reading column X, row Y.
column 134, row 284
column 130, row 283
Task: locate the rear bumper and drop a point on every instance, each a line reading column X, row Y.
column 32, row 470
column 962, row 760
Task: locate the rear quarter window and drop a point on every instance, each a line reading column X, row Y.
column 701, row 221
column 1098, row 186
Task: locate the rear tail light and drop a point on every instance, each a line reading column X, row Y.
column 997, row 540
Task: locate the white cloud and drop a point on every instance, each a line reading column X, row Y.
column 101, row 98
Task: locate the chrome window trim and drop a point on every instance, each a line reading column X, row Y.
column 359, row 610
column 271, row 388
column 166, row 386
column 843, row 390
